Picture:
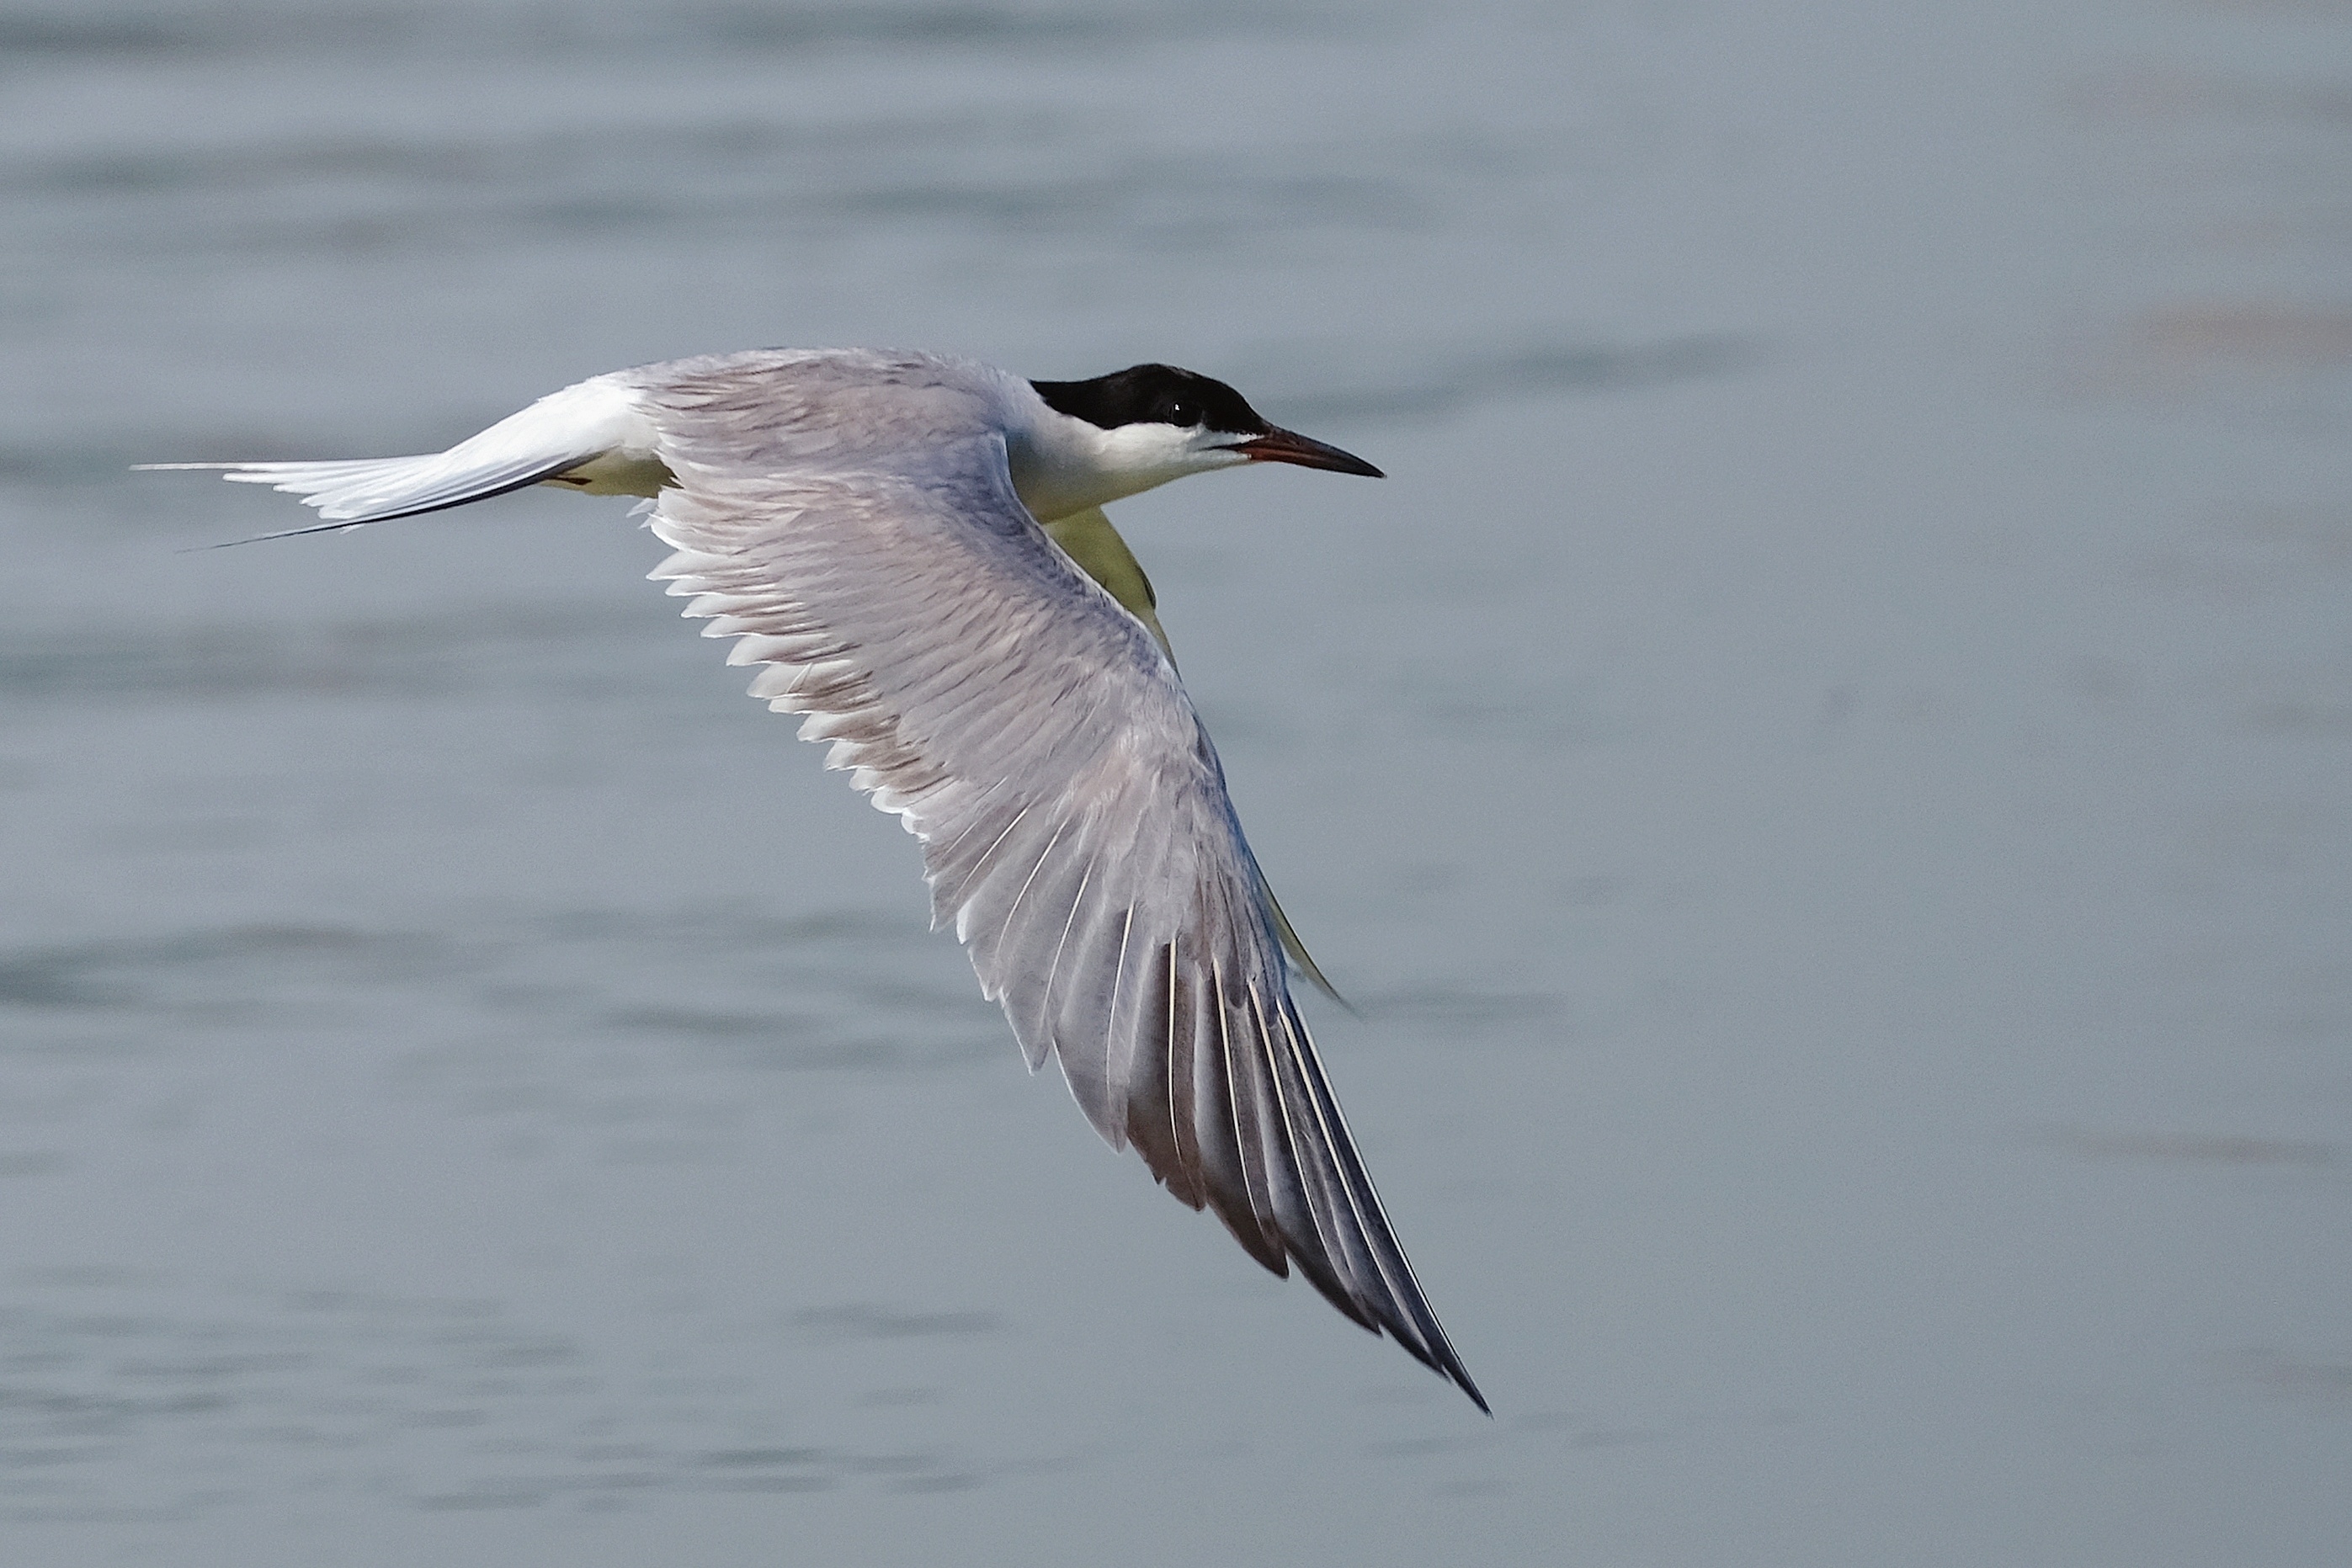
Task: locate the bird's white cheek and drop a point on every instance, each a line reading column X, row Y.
column 1153, row 453
column 1088, row 468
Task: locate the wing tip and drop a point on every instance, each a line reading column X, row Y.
column 1448, row 1365
column 1436, row 1352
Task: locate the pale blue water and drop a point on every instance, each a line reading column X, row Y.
column 1825, row 768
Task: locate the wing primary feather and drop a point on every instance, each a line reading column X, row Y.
column 1346, row 1261
column 1076, row 1026
column 1226, row 1153
column 1304, row 1208
column 1185, row 1178
column 1087, row 1002
column 1244, row 1094
column 1117, row 1067
column 1440, row 1356
column 1149, row 1075
column 1354, row 1256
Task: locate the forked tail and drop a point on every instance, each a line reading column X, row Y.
column 560, row 433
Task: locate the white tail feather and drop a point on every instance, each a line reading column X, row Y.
column 560, row 432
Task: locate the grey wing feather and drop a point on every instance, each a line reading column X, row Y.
column 1076, row 825
column 1089, row 538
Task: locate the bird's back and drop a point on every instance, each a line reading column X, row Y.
column 823, row 410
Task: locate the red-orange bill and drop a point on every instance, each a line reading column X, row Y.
column 1289, row 446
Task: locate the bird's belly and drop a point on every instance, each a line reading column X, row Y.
column 617, row 474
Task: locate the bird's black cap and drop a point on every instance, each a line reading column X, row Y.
column 1154, row 394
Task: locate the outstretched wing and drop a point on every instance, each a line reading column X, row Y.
column 1074, row 817
column 1089, row 538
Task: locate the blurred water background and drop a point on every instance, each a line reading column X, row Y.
column 1825, row 768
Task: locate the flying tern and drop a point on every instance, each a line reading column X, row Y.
column 912, row 551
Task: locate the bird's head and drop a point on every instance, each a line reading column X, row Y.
column 1142, row 426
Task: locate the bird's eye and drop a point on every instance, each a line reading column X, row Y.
column 1181, row 412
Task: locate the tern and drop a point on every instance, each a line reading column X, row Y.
column 912, row 551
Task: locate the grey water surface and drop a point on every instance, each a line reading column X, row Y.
column 1827, row 770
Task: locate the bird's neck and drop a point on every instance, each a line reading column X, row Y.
column 1063, row 464
column 1059, row 465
